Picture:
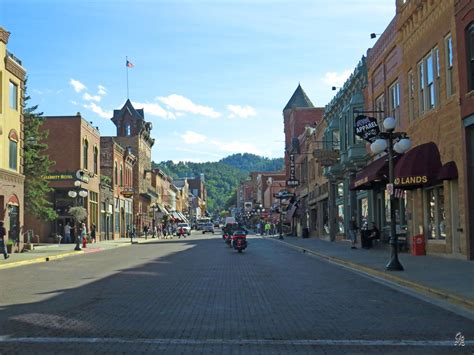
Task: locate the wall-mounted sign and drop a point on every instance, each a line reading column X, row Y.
column 292, row 167
column 366, row 128
column 326, row 157
column 411, row 180
column 292, row 182
column 59, row 176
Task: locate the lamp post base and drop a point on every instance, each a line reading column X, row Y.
column 394, row 265
column 77, row 247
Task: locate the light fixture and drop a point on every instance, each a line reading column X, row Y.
column 378, row 146
column 77, row 183
column 72, row 194
column 404, row 144
column 389, row 123
column 373, row 35
column 83, row 193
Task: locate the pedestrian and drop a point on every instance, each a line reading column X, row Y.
column 84, row 235
column 93, row 233
column 258, row 227
column 145, row 231
column 353, row 232
column 267, row 228
column 67, row 233
column 3, row 245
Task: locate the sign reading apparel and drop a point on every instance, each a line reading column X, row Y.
column 366, row 128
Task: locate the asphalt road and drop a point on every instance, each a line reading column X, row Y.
column 196, row 295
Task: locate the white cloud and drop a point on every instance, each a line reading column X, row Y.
column 191, row 137
column 241, row 111
column 183, row 104
column 102, row 90
column 98, row 110
column 237, row 147
column 89, row 97
column 77, row 85
column 154, row 110
column 336, row 79
column 73, row 102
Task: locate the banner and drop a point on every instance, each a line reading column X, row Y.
column 366, row 128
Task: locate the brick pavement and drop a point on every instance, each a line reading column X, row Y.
column 176, row 296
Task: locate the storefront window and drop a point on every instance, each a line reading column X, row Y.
column 326, row 216
column 340, row 189
column 364, row 212
column 436, row 216
column 340, row 218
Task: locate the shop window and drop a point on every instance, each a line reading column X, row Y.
column 411, row 96
column 364, row 212
column 435, row 213
column 13, row 155
column 470, row 55
column 13, row 95
column 340, row 190
column 93, row 207
column 448, row 43
column 394, row 101
column 85, row 152
column 340, row 218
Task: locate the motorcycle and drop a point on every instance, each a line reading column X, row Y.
column 239, row 241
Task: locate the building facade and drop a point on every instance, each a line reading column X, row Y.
column 12, row 78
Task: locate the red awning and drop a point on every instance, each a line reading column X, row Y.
column 448, row 171
column 374, row 172
column 418, row 167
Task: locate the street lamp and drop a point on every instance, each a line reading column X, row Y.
column 154, row 208
column 385, row 141
column 282, row 195
column 75, row 194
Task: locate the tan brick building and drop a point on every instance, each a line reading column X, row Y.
column 431, row 115
column 12, row 77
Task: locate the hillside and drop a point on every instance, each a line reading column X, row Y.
column 222, row 177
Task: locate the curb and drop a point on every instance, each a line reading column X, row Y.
column 47, row 258
column 452, row 298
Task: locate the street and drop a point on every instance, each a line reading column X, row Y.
column 196, row 295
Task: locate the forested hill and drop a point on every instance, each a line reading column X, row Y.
column 222, row 177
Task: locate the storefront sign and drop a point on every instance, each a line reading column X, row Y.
column 411, row 180
column 366, row 128
column 292, row 167
column 59, row 176
column 360, row 182
column 292, row 182
column 326, row 157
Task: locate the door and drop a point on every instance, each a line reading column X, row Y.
column 14, row 231
column 453, row 191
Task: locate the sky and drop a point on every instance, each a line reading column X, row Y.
column 213, row 76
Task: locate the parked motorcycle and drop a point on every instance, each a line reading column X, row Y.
column 239, row 240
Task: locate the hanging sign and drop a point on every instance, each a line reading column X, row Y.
column 366, row 128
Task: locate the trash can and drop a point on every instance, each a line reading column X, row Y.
column 305, row 232
column 418, row 245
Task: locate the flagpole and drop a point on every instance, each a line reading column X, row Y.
column 126, row 68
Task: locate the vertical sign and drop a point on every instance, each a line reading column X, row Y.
column 292, row 167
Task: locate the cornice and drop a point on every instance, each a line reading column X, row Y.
column 12, row 177
column 14, row 68
column 4, row 35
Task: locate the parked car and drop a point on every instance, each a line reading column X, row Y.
column 186, row 227
column 208, row 227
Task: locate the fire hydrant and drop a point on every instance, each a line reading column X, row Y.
column 84, row 242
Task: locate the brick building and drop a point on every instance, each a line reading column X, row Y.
column 74, row 146
column 12, row 77
column 464, row 19
column 134, row 132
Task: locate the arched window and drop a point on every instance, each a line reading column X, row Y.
column 115, row 173
column 13, row 150
column 85, row 152
column 128, row 129
column 121, row 175
column 96, row 160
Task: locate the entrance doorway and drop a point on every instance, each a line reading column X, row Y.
column 14, row 231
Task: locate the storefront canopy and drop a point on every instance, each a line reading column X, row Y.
column 372, row 173
column 419, row 167
column 290, row 213
column 448, row 171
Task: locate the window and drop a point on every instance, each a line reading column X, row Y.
column 411, row 96
column 340, row 218
column 448, row 44
column 121, row 175
column 394, row 91
column 428, row 80
column 85, row 152
column 340, row 190
column 470, row 55
column 13, row 96
column 335, row 140
column 13, row 161
column 115, row 173
column 128, row 129
column 380, row 106
column 117, row 215
column 96, row 160
column 93, row 207
column 421, row 88
column 435, row 213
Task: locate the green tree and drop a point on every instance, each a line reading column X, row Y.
column 36, row 164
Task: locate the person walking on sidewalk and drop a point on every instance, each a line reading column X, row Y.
column 67, row 233
column 267, row 228
column 353, row 232
column 93, row 233
column 3, row 245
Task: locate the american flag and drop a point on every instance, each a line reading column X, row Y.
column 129, row 64
column 399, row 193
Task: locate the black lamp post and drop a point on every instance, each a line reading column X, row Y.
column 387, row 140
column 282, row 195
column 80, row 193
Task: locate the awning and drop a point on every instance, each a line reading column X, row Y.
column 290, row 213
column 183, row 218
column 448, row 171
column 418, row 167
column 176, row 216
column 375, row 171
column 161, row 208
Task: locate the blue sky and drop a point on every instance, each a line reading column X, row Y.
column 212, row 76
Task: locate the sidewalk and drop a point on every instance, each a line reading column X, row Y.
column 48, row 252
column 449, row 279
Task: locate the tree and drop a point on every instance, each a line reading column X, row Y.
column 36, row 165
column 79, row 213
